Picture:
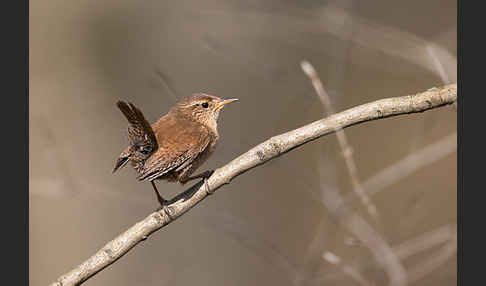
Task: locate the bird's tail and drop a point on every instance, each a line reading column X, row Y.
column 141, row 137
column 139, row 132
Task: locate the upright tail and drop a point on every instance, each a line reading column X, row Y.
column 141, row 137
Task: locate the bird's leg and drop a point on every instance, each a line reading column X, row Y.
column 205, row 175
column 161, row 200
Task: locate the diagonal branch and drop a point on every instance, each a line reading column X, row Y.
column 258, row 155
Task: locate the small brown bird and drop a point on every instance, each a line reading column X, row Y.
column 177, row 144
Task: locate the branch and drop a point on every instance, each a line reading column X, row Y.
column 258, row 155
column 347, row 150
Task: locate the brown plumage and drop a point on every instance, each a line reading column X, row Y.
column 177, row 144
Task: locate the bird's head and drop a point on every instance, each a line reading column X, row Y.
column 202, row 108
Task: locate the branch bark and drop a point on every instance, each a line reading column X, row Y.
column 270, row 149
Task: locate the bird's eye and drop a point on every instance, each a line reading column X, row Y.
column 205, row 105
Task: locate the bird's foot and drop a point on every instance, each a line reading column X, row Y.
column 163, row 203
column 206, row 185
column 205, row 175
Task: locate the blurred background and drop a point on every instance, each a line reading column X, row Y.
column 292, row 221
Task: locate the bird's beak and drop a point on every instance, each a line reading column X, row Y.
column 224, row 102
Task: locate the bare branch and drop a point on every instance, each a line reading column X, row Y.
column 258, row 155
column 342, row 139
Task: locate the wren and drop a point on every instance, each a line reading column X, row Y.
column 178, row 143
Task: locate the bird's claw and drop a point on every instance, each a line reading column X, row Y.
column 163, row 204
column 206, row 185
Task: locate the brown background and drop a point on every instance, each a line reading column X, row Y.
column 269, row 227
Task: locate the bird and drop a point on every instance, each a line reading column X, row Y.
column 173, row 147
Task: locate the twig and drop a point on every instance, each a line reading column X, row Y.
column 258, row 155
column 395, row 270
column 439, row 66
column 426, row 241
column 359, row 227
column 446, row 235
column 428, row 265
column 303, row 275
column 409, row 164
column 345, row 268
column 437, row 63
column 347, row 151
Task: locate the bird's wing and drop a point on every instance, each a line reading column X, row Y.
column 140, row 133
column 180, row 147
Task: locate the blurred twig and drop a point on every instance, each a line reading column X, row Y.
column 428, row 265
column 258, row 155
column 446, row 235
column 359, row 227
column 425, row 241
column 409, row 164
column 346, row 268
column 347, row 151
column 351, row 220
column 448, row 60
column 242, row 232
column 376, row 36
column 437, row 63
